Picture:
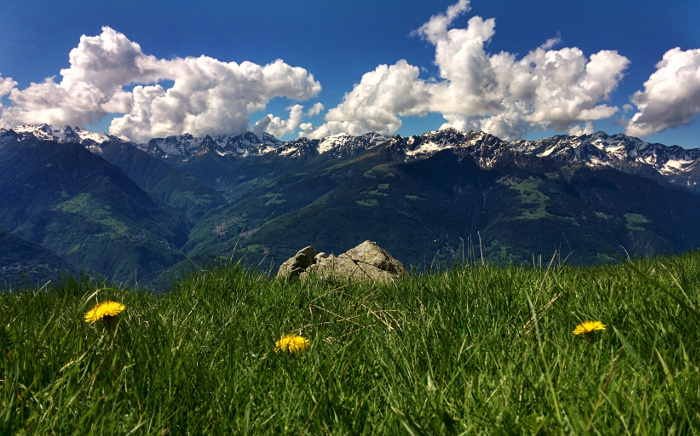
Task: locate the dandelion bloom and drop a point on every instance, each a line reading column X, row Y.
column 104, row 311
column 588, row 327
column 292, row 343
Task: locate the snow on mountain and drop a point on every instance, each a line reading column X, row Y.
column 186, row 146
column 596, row 150
column 484, row 148
column 97, row 138
column 180, row 145
column 433, row 141
column 299, row 147
column 600, row 149
column 47, row 133
column 341, row 145
column 59, row 134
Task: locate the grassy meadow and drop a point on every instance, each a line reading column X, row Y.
column 472, row 350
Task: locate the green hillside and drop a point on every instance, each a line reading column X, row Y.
column 472, row 350
column 138, row 218
column 89, row 212
column 437, row 210
column 174, row 187
column 23, row 262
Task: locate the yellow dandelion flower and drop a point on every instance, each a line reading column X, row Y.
column 292, row 343
column 104, row 311
column 588, row 327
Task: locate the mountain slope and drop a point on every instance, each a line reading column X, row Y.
column 174, row 187
column 76, row 204
column 520, row 206
column 428, row 199
column 22, row 262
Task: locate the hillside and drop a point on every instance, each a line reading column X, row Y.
column 433, row 209
column 23, row 262
column 147, row 212
column 74, row 203
column 173, row 187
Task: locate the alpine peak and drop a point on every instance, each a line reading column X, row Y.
column 596, row 150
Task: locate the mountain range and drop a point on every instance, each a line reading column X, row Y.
column 138, row 213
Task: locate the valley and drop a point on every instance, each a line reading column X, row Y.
column 146, row 213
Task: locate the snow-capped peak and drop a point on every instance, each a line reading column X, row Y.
column 236, row 145
column 595, row 150
column 61, row 134
column 340, row 145
column 47, row 132
column 601, row 149
column 98, row 138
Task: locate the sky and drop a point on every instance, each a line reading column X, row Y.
column 515, row 69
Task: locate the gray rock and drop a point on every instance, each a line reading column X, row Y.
column 294, row 266
column 372, row 254
column 366, row 262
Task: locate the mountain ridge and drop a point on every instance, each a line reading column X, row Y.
column 420, row 197
column 597, row 149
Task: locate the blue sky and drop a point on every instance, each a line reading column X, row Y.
column 151, row 68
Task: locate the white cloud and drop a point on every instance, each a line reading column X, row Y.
column 6, row 86
column 208, row 96
column 278, row 127
column 435, row 29
column 581, row 129
column 91, row 87
column 551, row 42
column 315, row 109
column 671, row 95
column 498, row 93
column 376, row 103
column 546, row 89
column 507, row 95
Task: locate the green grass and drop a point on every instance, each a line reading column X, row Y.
column 370, row 202
column 85, row 207
column 274, row 198
column 634, row 220
column 469, row 351
column 534, row 202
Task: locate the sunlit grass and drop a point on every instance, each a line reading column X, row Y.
column 471, row 350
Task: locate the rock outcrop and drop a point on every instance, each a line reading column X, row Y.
column 366, row 262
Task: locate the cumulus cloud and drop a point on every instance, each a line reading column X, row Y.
column 498, row 93
column 6, row 86
column 208, row 96
column 581, row 129
column 376, row 103
column 551, row 42
column 552, row 89
column 508, row 95
column 278, row 127
column 435, row 29
column 671, row 95
column 315, row 109
column 89, row 89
